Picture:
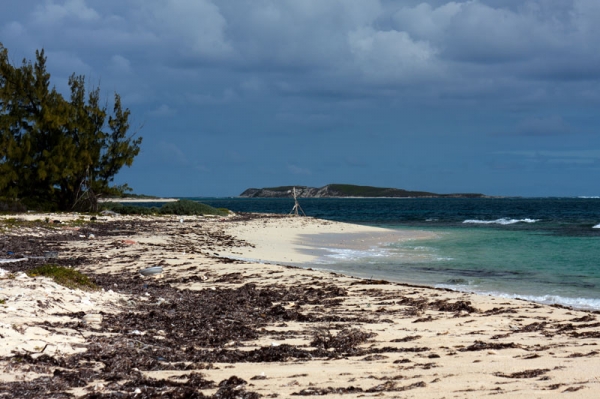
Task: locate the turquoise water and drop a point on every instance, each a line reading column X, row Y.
column 524, row 264
column 541, row 249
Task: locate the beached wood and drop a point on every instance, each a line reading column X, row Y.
column 297, row 208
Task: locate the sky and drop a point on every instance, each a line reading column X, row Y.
column 500, row 97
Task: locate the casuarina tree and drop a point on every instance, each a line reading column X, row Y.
column 58, row 152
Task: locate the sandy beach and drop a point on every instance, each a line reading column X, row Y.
column 241, row 311
column 137, row 200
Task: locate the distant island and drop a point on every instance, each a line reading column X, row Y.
column 347, row 190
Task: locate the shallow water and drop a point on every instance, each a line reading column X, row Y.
column 542, row 249
column 506, row 263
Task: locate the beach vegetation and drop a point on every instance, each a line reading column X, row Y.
column 136, row 196
column 11, row 205
column 64, row 276
column 57, row 152
column 181, row 207
column 10, row 223
column 188, row 207
column 283, row 188
column 125, row 209
column 350, row 190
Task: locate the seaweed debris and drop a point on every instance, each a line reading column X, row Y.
column 524, row 374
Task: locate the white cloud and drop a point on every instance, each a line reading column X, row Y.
column 424, row 21
column 163, row 110
column 195, row 27
column 391, row 55
column 323, row 47
column 475, row 32
column 55, row 13
column 14, row 29
column 120, row 64
column 66, row 63
column 290, row 34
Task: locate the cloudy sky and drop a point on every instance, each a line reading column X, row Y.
column 494, row 96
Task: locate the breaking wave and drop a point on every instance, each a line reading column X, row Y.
column 503, row 221
column 574, row 302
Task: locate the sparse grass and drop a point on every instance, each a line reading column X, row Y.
column 2, row 301
column 80, row 221
column 11, row 223
column 8, row 205
column 64, row 276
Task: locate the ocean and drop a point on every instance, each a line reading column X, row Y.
column 545, row 250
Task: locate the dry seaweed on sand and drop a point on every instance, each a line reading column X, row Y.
column 327, row 391
column 481, row 346
column 523, row 374
column 132, row 385
column 407, row 338
column 345, row 341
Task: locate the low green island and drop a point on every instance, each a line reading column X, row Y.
column 347, row 191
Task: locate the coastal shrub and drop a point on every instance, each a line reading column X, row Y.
column 57, row 151
column 187, row 207
column 181, row 207
column 129, row 209
column 8, row 205
column 64, row 276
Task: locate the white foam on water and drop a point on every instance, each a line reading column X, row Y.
column 596, row 226
column 503, row 221
column 345, row 254
column 577, row 303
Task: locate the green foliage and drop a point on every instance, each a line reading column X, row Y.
column 187, row 207
column 64, row 276
column 10, row 205
column 139, row 196
column 283, row 188
column 10, row 223
column 350, row 190
column 181, row 207
column 129, row 209
column 58, row 153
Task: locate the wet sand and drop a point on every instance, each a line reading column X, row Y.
column 229, row 318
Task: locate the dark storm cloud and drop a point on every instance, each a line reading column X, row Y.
column 386, row 78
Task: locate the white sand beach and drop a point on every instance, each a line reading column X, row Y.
column 296, row 331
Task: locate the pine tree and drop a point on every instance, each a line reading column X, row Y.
column 55, row 152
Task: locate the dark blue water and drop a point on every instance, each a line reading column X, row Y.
column 560, row 215
column 542, row 249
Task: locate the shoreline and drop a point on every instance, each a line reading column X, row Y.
column 137, row 200
column 289, row 246
column 277, row 329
